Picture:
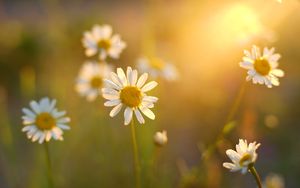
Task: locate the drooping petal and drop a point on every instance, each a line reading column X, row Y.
column 147, row 112
column 139, row 116
column 127, row 115
column 115, row 110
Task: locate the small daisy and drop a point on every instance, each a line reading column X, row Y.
column 160, row 138
column 262, row 69
column 43, row 121
column 157, row 68
column 100, row 40
column 90, row 79
column 244, row 156
column 129, row 91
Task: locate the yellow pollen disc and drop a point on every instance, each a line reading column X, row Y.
column 244, row 159
column 131, row 96
column 157, row 63
column 96, row 82
column 262, row 66
column 104, row 44
column 45, row 121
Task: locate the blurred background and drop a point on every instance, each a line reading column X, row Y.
column 41, row 53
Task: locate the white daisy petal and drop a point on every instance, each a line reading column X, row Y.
column 112, row 102
column 139, row 116
column 128, row 115
column 110, row 96
column 35, row 106
column 147, row 112
column 149, row 86
column 64, row 120
column 63, row 126
column 122, row 76
column 142, row 80
column 278, row 72
column 42, row 138
column 115, row 110
column 112, row 84
column 28, row 113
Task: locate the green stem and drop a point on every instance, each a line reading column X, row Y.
column 211, row 148
column 136, row 156
column 256, row 175
column 49, row 172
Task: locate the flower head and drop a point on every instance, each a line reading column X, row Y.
column 43, row 121
column 244, row 156
column 156, row 67
column 129, row 91
column 100, row 40
column 160, row 138
column 90, row 79
column 262, row 69
column 274, row 181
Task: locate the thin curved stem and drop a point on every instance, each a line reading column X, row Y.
column 256, row 175
column 49, row 165
column 211, row 148
column 136, row 156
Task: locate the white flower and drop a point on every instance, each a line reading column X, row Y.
column 262, row 69
column 129, row 91
column 274, row 181
column 100, row 40
column 160, row 138
column 157, row 68
column 244, row 156
column 43, row 121
column 90, row 79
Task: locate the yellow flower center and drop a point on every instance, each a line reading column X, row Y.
column 96, row 82
column 131, row 96
column 157, row 63
column 262, row 66
column 245, row 160
column 104, row 44
column 45, row 121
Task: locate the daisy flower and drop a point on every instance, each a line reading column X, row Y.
column 90, row 79
column 157, row 68
column 160, row 138
column 244, row 156
column 101, row 40
column 129, row 91
column 43, row 121
column 262, row 69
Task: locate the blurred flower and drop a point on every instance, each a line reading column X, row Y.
column 90, row 79
column 160, row 138
column 280, row 1
column 44, row 121
column 262, row 69
column 100, row 40
column 271, row 121
column 130, row 92
column 244, row 156
column 157, row 68
column 274, row 181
